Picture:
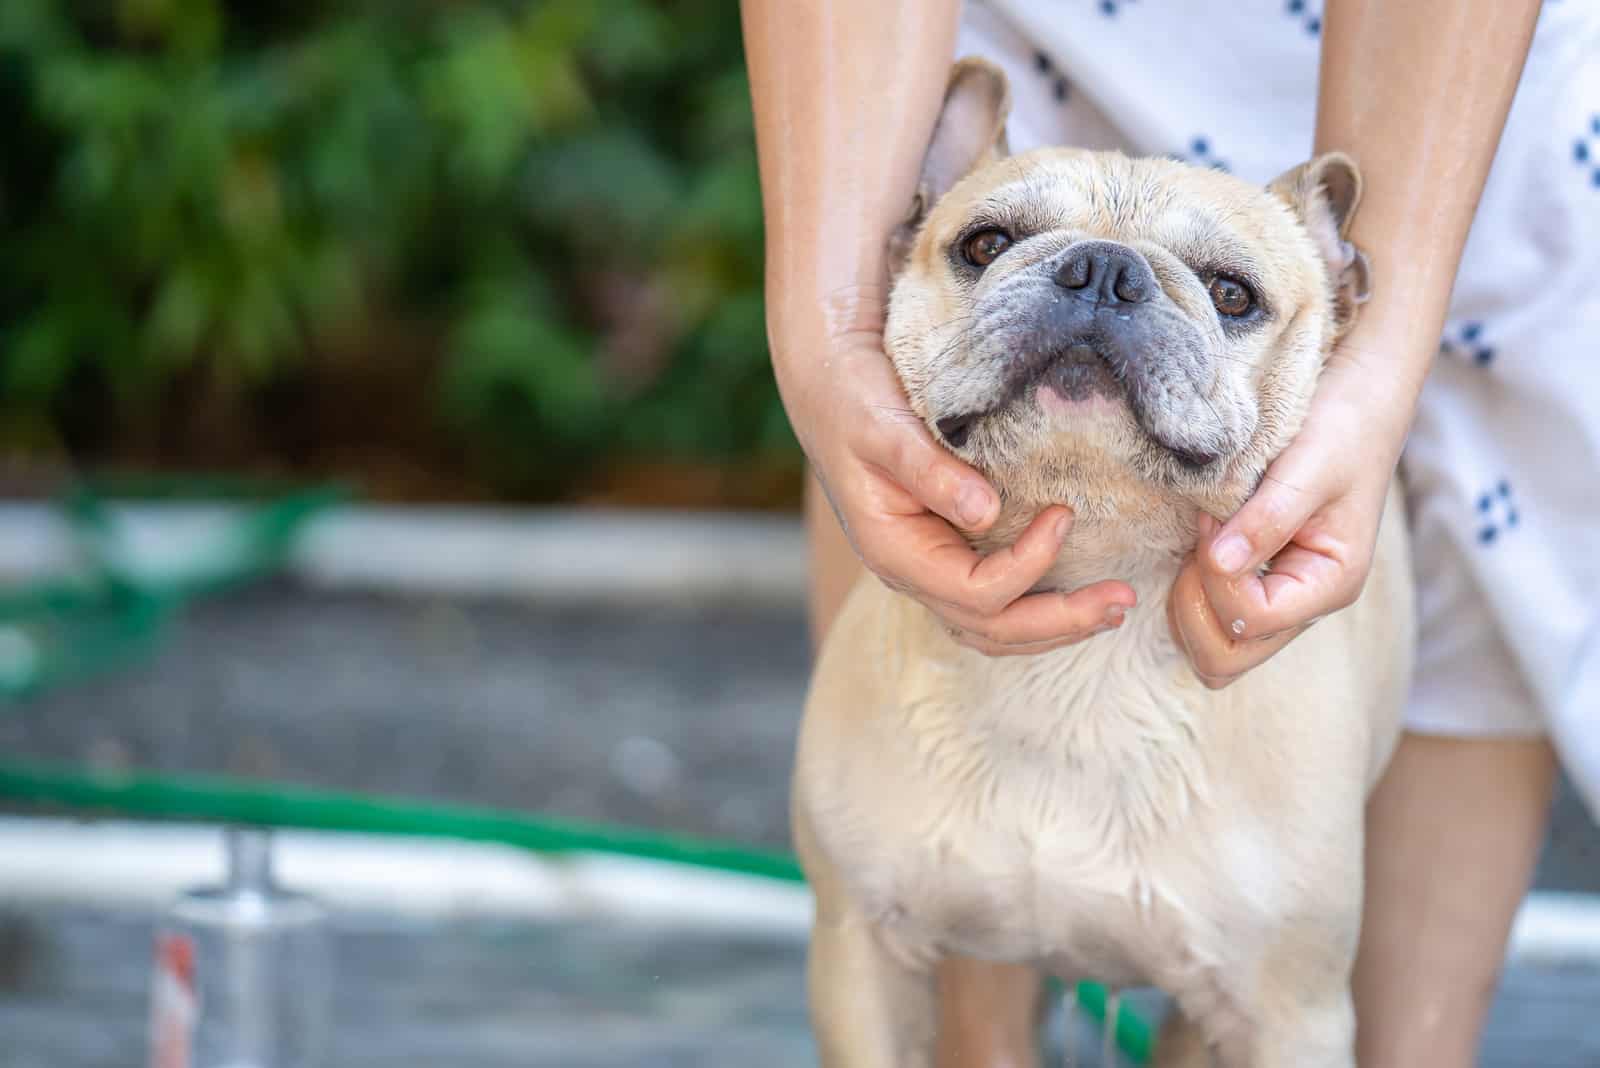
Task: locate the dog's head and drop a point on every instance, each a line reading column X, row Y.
column 1081, row 325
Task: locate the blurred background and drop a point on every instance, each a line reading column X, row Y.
column 386, row 427
column 449, row 250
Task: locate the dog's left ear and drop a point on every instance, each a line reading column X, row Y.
column 970, row 132
column 1325, row 193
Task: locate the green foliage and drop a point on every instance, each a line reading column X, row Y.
column 566, row 190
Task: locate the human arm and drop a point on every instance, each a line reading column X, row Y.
column 1417, row 92
column 846, row 95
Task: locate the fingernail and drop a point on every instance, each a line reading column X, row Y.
column 1230, row 553
column 1237, row 626
column 1063, row 525
column 972, row 505
column 1114, row 616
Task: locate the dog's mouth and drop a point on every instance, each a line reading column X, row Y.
column 1075, row 372
column 1066, row 378
column 1078, row 372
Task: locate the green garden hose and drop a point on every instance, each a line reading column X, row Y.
column 224, row 800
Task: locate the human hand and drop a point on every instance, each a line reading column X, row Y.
column 1315, row 517
column 897, row 491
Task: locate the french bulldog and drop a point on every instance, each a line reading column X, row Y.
column 1137, row 339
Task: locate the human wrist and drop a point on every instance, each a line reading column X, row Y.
column 806, row 323
column 1394, row 344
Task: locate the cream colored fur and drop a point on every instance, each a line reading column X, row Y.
column 1096, row 810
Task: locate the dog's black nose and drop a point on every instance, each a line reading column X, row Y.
column 1106, row 273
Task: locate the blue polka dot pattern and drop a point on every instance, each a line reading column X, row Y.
column 1060, row 88
column 1306, row 13
column 1466, row 341
column 1586, row 152
column 1110, row 8
column 1497, row 512
column 1200, row 151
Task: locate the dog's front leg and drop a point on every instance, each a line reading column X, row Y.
column 1301, row 1014
column 870, row 1007
column 1320, row 1034
column 1318, row 1037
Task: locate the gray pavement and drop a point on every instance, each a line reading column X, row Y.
column 662, row 719
column 471, row 995
column 486, row 994
column 678, row 719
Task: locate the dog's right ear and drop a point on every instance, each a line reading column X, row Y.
column 971, row 131
column 1325, row 194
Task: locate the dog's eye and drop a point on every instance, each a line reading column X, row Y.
column 1231, row 296
column 985, row 246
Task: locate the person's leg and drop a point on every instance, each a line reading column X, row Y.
column 987, row 1012
column 1454, row 830
column 834, row 566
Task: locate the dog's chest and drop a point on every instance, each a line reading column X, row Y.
column 1059, row 902
column 1069, row 808
column 1079, row 907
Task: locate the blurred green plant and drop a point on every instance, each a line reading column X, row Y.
column 564, row 189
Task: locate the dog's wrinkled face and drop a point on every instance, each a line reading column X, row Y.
column 1068, row 315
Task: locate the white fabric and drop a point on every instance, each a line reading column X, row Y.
column 1503, row 465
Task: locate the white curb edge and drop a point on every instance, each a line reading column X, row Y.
column 550, row 554
column 134, row 865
